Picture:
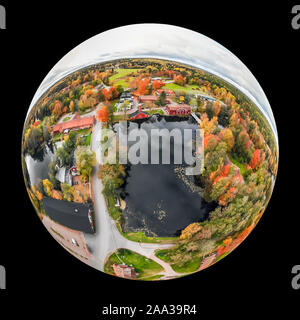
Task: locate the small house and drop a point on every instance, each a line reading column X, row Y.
column 138, row 114
column 124, row 271
column 178, row 109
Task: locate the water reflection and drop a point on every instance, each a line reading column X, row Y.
column 159, row 200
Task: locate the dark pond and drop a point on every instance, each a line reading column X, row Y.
column 160, row 199
column 37, row 166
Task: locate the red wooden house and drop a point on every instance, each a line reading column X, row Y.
column 149, row 98
column 138, row 114
column 178, row 109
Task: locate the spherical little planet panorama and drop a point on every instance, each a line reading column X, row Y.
column 150, row 152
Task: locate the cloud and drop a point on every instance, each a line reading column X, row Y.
column 167, row 42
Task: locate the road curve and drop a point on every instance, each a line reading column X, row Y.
column 107, row 238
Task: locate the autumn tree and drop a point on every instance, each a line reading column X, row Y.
column 227, row 136
column 156, row 84
column 87, row 101
column 216, row 108
column 142, row 86
column 102, row 114
column 57, row 109
column 209, row 126
column 85, row 160
column 48, row 187
column 72, row 106
column 255, row 158
column 242, row 146
column 180, row 80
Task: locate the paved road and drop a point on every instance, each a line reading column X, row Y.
column 108, row 238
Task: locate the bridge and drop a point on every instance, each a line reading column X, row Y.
column 193, row 114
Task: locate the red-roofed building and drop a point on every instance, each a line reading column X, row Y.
column 138, row 114
column 144, row 99
column 123, row 271
column 178, row 109
column 75, row 124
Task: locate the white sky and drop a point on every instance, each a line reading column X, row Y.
column 166, row 42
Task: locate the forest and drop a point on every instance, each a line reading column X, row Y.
column 241, row 155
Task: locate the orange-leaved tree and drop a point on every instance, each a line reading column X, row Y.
column 102, row 114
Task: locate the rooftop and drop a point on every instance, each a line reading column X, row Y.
column 69, row 214
column 75, row 123
column 178, row 106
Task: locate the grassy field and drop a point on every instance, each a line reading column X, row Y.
column 146, row 268
column 88, row 139
column 122, row 73
column 187, row 88
column 141, row 237
column 114, row 211
column 188, row 267
column 120, row 77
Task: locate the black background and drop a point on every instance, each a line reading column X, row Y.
column 42, row 278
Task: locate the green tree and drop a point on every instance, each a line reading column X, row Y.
column 52, row 174
column 85, row 160
column 64, row 158
column 223, row 116
column 162, row 99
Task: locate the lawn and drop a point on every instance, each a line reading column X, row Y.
column 88, row 139
column 83, row 131
column 146, row 268
column 122, row 82
column 141, row 237
column 122, row 73
column 120, row 77
column 187, row 88
column 187, row 267
column 114, row 211
column 156, row 111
